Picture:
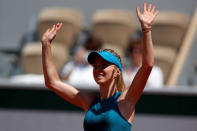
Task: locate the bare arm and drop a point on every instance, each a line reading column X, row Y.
column 133, row 92
column 52, row 79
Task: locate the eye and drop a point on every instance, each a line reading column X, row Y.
column 95, row 65
column 105, row 65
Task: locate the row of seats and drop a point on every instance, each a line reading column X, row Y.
column 118, row 28
column 72, row 24
column 168, row 32
column 114, row 28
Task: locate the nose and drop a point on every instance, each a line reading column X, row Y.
column 98, row 68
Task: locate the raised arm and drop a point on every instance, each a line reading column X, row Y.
column 52, row 80
column 146, row 18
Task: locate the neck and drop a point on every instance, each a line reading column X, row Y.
column 108, row 90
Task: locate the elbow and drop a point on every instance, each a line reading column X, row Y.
column 148, row 65
column 50, row 80
column 48, row 84
column 51, row 84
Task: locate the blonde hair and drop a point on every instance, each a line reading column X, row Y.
column 120, row 81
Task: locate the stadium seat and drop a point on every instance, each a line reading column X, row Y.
column 62, row 44
column 185, row 51
column 113, row 27
column 167, row 34
column 32, row 57
column 72, row 24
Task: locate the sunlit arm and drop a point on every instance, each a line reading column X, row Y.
column 52, row 80
column 133, row 92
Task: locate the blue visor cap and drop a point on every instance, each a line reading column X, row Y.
column 106, row 56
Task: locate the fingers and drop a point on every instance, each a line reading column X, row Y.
column 156, row 13
column 58, row 26
column 50, row 33
column 138, row 11
column 47, row 31
column 144, row 6
column 148, row 14
column 53, row 28
column 149, row 7
column 153, row 9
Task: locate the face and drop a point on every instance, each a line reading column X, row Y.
column 104, row 72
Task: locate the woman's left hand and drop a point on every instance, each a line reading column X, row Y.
column 148, row 15
column 50, row 34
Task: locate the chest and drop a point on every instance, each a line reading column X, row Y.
column 102, row 117
column 105, row 115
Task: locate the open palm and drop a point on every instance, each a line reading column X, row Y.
column 146, row 18
column 50, row 34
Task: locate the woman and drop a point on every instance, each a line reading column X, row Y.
column 113, row 110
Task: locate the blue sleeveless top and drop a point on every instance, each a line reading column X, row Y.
column 104, row 115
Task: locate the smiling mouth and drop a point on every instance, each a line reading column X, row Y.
column 99, row 76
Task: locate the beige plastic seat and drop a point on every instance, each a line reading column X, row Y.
column 72, row 24
column 184, row 51
column 32, row 57
column 168, row 31
column 164, row 58
column 113, row 26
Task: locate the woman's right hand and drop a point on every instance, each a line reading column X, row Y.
column 50, row 34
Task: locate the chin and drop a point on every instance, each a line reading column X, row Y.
column 100, row 82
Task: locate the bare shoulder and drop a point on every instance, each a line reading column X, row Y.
column 88, row 98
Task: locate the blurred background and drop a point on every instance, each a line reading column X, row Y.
column 169, row 101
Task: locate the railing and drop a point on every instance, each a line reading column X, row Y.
column 163, row 101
